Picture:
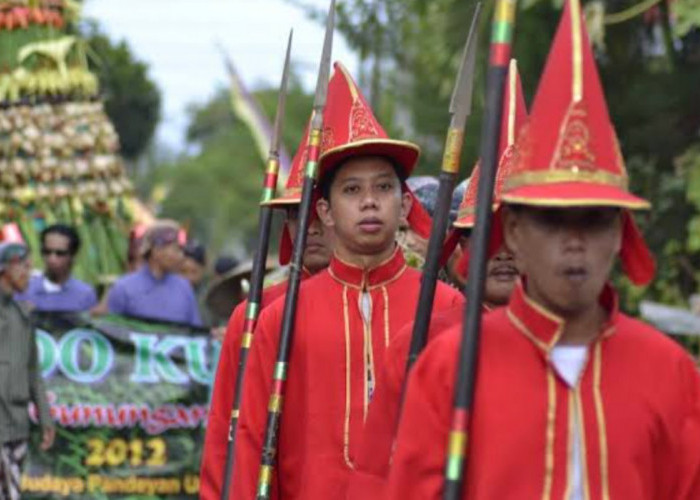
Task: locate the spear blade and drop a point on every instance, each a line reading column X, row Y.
column 461, row 103
column 281, row 102
column 324, row 69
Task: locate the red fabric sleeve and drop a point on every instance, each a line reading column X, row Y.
column 256, row 395
column 419, row 458
column 211, row 475
column 689, row 479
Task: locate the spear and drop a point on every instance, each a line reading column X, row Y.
column 274, row 414
column 259, row 260
column 460, row 109
column 501, row 39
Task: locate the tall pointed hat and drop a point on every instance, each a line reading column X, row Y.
column 291, row 196
column 568, row 154
column 513, row 118
column 351, row 130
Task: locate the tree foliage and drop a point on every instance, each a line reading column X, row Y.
column 216, row 187
column 132, row 99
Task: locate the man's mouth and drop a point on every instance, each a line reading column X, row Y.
column 504, row 272
column 371, row 224
column 575, row 274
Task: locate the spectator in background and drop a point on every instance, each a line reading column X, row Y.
column 194, row 265
column 56, row 290
column 224, row 264
column 156, row 291
column 20, row 376
column 194, row 270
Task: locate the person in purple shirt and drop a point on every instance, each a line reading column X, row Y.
column 156, row 291
column 56, row 290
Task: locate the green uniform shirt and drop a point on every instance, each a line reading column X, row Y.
column 20, row 378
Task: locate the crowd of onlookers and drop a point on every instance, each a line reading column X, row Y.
column 167, row 278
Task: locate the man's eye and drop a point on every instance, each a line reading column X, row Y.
column 350, row 189
column 386, row 186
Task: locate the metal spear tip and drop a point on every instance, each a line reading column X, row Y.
column 461, row 103
column 325, row 67
column 281, row 101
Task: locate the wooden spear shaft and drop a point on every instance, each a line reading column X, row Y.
column 258, row 272
column 457, row 453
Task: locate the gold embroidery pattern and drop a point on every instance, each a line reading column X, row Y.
column 362, row 123
column 573, row 151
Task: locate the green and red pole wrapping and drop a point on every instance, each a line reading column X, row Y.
column 258, row 272
column 457, row 452
column 279, row 378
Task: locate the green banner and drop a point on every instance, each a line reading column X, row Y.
column 129, row 400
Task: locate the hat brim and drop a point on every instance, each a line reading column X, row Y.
column 405, row 154
column 284, row 201
column 574, row 194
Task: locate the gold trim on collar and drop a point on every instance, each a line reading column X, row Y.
column 348, row 405
column 572, row 174
column 600, row 415
column 549, row 436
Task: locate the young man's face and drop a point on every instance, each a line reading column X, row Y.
column 319, row 241
column 565, row 253
column 169, row 257
column 16, row 274
column 501, row 273
column 58, row 261
column 192, row 271
column 365, row 206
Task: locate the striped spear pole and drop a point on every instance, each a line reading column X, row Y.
column 457, row 453
column 258, row 272
column 269, row 451
column 460, row 109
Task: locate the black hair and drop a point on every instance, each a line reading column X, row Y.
column 224, row 264
column 64, row 230
column 196, row 251
column 326, row 181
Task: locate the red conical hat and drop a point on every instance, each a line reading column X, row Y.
column 513, row 118
column 350, row 129
column 568, row 154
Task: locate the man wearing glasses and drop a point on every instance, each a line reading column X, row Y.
column 56, row 290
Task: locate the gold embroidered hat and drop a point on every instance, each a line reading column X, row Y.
column 350, row 129
column 568, row 155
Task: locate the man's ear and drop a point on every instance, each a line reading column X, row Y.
column 406, row 204
column 325, row 213
column 510, row 228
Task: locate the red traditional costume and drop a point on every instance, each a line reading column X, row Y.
column 372, row 466
column 346, row 317
column 219, row 419
column 628, row 426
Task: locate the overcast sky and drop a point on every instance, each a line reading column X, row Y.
column 178, row 38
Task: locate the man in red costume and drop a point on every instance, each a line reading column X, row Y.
column 372, row 467
column 317, row 255
column 573, row 398
column 346, row 315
